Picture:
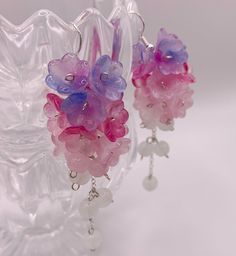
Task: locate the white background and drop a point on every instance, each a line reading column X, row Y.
column 193, row 211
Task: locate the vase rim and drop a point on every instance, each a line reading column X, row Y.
column 46, row 12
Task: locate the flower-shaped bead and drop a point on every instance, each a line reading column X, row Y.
column 78, row 140
column 53, row 106
column 170, row 54
column 166, row 86
column 161, row 98
column 107, row 78
column 84, row 109
column 95, row 156
column 67, row 75
column 143, row 60
column 114, row 150
column 114, row 126
column 57, row 120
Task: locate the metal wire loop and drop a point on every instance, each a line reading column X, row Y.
column 142, row 37
column 80, row 37
column 142, row 20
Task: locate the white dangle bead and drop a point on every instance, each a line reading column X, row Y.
column 150, row 183
column 88, row 209
column 162, row 148
column 146, row 149
column 92, row 241
column 165, row 127
column 81, row 178
column 105, row 197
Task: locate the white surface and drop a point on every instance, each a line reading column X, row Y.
column 192, row 213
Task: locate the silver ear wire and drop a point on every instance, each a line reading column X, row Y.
column 143, row 39
column 80, row 37
column 142, row 20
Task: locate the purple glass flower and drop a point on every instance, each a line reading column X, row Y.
column 84, row 109
column 170, row 54
column 143, row 60
column 107, row 78
column 68, row 74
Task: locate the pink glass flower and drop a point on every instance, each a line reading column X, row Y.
column 166, row 86
column 68, row 74
column 91, row 152
column 114, row 126
column 57, row 120
column 161, row 98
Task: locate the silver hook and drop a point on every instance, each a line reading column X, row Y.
column 141, row 18
column 144, row 40
column 80, row 37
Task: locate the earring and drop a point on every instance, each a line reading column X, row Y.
column 87, row 121
column 162, row 79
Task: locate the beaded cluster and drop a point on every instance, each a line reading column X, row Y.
column 87, row 120
column 162, row 79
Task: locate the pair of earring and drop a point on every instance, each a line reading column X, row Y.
column 88, row 120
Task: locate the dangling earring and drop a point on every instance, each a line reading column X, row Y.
column 162, row 80
column 87, row 121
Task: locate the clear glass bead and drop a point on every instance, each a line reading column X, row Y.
column 105, row 197
column 146, row 149
column 162, row 148
column 88, row 209
column 92, row 241
column 150, row 183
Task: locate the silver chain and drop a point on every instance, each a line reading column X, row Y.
column 91, row 228
column 93, row 192
column 151, row 160
column 151, row 166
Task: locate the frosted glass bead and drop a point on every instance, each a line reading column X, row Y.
column 164, row 127
column 88, row 209
column 92, row 241
column 150, row 183
column 146, row 149
column 162, row 148
column 81, row 178
column 105, row 197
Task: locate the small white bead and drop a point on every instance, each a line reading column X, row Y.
column 165, row 127
column 92, row 241
column 146, row 149
column 81, row 178
column 105, row 197
column 88, row 209
column 150, row 183
column 162, row 148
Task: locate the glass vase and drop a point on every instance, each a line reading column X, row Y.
column 39, row 211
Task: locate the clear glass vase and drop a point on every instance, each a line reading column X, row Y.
column 38, row 209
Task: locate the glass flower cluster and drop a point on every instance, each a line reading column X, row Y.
column 162, row 77
column 88, row 120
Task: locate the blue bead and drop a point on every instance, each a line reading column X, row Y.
column 74, row 102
